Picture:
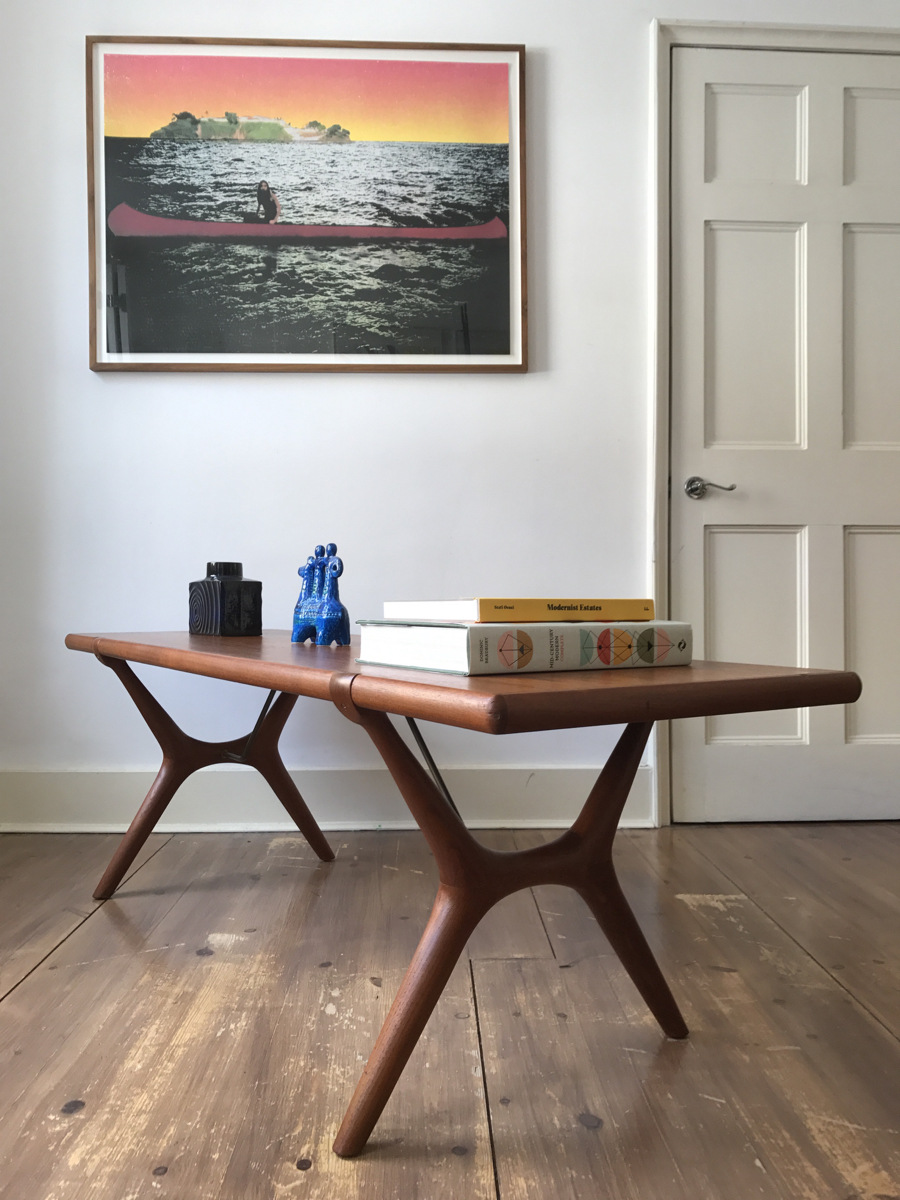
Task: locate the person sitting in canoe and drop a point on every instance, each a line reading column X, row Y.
column 268, row 210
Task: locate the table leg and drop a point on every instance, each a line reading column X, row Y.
column 473, row 879
column 453, row 919
column 264, row 756
column 182, row 755
column 624, row 934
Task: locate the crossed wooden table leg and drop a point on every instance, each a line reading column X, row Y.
column 182, row 755
column 473, row 879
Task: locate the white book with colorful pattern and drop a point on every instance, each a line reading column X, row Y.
column 469, row 648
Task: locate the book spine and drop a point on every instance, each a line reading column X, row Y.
column 494, row 609
column 584, row 647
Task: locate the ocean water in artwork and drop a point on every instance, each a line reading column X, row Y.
column 402, row 297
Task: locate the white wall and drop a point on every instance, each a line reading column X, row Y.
column 116, row 489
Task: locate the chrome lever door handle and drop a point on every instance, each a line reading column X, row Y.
column 696, row 487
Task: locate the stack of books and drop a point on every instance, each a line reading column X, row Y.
column 491, row 636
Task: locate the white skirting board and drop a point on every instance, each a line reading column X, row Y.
column 238, row 799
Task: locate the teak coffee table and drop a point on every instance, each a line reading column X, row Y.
column 472, row 878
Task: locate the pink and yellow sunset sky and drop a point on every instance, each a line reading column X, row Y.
column 377, row 100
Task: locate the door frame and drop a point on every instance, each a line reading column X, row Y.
column 664, row 37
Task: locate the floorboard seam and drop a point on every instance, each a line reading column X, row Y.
column 543, row 923
column 809, row 954
column 75, row 928
column 484, row 1083
column 538, row 907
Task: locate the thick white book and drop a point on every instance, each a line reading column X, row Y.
column 466, row 648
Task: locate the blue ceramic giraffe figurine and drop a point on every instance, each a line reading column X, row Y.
column 310, row 596
column 332, row 620
column 303, row 628
column 319, row 614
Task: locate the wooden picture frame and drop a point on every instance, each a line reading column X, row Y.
column 390, row 237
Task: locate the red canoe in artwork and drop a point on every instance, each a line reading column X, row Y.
column 125, row 221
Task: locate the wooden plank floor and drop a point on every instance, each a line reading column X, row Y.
column 199, row 1036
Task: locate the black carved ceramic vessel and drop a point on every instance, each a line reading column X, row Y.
column 225, row 603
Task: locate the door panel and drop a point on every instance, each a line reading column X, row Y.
column 871, row 344
column 754, row 576
column 785, row 283
column 872, row 619
column 755, row 132
column 872, row 136
column 755, row 333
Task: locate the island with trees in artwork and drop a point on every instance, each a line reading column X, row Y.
column 185, row 127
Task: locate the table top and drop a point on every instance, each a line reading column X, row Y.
column 485, row 703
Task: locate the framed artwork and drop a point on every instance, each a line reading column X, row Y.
column 306, row 206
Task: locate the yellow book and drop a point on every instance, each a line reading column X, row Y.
column 494, row 608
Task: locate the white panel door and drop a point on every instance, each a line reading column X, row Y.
column 786, row 383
